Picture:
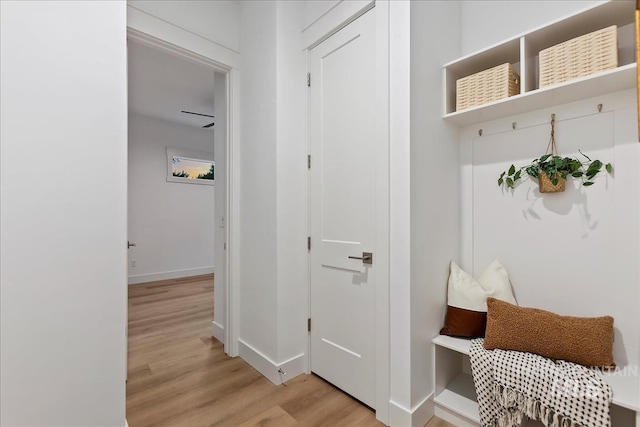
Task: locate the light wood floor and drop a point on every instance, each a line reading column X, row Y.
column 180, row 376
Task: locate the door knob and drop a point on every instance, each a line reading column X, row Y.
column 367, row 258
column 129, row 244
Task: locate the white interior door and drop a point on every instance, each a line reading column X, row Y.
column 342, row 123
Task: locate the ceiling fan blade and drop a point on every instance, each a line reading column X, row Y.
column 209, row 125
column 197, row 114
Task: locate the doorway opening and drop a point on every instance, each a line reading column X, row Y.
column 212, row 97
column 180, row 126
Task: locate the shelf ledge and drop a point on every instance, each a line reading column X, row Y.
column 609, row 81
column 461, row 345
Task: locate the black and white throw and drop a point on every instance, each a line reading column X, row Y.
column 512, row 386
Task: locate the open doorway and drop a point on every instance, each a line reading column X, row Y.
column 177, row 207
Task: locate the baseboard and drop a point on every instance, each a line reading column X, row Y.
column 217, row 331
column 175, row 274
column 453, row 417
column 423, row 412
column 267, row 367
column 399, row 416
column 126, row 423
column 292, row 367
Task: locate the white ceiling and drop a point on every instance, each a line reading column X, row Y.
column 162, row 84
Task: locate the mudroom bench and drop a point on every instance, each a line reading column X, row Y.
column 455, row 395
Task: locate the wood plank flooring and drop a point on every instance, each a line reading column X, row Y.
column 179, row 375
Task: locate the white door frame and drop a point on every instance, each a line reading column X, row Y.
column 171, row 40
column 330, row 23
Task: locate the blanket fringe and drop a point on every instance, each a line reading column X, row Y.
column 517, row 405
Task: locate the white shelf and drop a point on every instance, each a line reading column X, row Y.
column 522, row 53
column 460, row 345
column 602, row 83
column 460, row 397
column 625, row 387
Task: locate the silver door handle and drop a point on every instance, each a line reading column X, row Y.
column 367, row 257
column 129, row 244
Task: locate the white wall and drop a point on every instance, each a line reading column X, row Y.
column 258, row 196
column 216, row 21
column 292, row 184
column 400, row 377
column 435, row 194
column 63, row 213
column 572, row 252
column 484, row 23
column 171, row 223
column 314, row 10
column 273, row 285
column 187, row 25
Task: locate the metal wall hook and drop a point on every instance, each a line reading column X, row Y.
column 480, row 132
column 599, row 108
column 513, row 125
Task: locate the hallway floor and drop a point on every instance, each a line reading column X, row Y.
column 180, row 376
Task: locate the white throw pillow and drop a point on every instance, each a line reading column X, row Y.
column 465, row 292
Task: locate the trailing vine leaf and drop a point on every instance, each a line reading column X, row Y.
column 587, row 157
column 512, row 170
column 588, row 183
column 609, row 168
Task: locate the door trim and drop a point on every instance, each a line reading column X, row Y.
column 224, row 64
column 383, row 218
column 382, row 369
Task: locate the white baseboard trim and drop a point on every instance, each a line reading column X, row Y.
column 217, row 331
column 126, row 423
column 399, row 416
column 175, row 274
column 267, row 367
column 453, row 417
column 293, row 367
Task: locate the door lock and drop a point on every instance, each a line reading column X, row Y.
column 367, row 258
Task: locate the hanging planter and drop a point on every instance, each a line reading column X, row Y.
column 546, row 184
column 552, row 170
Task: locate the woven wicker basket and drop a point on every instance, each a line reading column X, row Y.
column 546, row 186
column 579, row 57
column 486, row 86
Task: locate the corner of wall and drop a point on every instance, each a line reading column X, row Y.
column 415, row 417
column 277, row 373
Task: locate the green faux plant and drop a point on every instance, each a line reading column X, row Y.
column 556, row 168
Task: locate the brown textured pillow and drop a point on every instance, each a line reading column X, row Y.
column 584, row 340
